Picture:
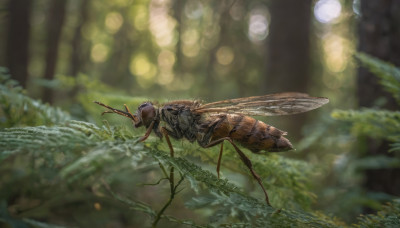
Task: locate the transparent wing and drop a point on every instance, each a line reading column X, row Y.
column 267, row 105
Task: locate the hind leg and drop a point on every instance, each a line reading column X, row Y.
column 243, row 157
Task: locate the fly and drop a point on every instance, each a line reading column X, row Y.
column 213, row 123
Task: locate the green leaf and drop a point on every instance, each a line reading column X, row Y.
column 102, row 149
column 389, row 74
column 17, row 109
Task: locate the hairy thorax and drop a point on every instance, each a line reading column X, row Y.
column 181, row 121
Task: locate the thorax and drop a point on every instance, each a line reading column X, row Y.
column 179, row 118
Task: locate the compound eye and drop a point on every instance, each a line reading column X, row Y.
column 146, row 104
column 148, row 113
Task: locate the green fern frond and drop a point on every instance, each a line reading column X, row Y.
column 288, row 181
column 376, row 123
column 86, row 151
column 140, row 206
column 389, row 216
column 17, row 109
column 389, row 74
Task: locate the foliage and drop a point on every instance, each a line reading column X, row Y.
column 59, row 148
column 56, row 163
column 103, row 176
column 379, row 125
column 104, row 148
column 389, row 216
column 132, row 46
column 389, row 74
column 16, row 109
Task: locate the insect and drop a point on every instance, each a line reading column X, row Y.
column 213, row 123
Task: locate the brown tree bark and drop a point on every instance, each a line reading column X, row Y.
column 78, row 56
column 17, row 53
column 379, row 36
column 55, row 23
column 288, row 53
column 288, row 48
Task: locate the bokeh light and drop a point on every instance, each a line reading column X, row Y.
column 225, row 55
column 143, row 70
column 190, row 36
column 114, row 21
column 99, row 53
column 326, row 11
column 140, row 65
column 190, row 46
column 165, row 78
column 140, row 17
column 166, row 60
column 335, row 54
column 193, row 9
column 162, row 25
column 191, row 50
column 356, row 7
column 258, row 24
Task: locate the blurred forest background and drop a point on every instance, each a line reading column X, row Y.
column 58, row 56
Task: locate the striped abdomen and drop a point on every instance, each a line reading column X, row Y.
column 252, row 134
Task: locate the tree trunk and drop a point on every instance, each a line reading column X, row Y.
column 288, row 53
column 379, row 36
column 77, row 57
column 223, row 18
column 18, row 39
column 116, row 69
column 177, row 13
column 54, row 27
column 288, row 49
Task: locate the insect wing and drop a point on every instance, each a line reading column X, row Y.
column 267, row 105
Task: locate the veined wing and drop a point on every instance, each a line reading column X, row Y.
column 268, row 105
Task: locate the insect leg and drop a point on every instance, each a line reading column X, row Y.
column 165, row 132
column 220, row 153
column 219, row 158
column 148, row 131
column 245, row 160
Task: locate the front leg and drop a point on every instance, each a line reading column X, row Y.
column 164, row 131
column 148, row 131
